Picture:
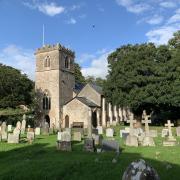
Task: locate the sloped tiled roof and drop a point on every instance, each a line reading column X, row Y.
column 87, row 102
column 97, row 88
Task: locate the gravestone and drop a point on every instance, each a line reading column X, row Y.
column 64, row 136
column 147, row 140
column 100, row 130
column 23, row 126
column 45, row 129
column 30, row 136
column 89, row 145
column 127, row 129
column 139, row 170
column 97, row 139
column 68, row 130
column 170, row 141
column 110, row 145
column 131, row 140
column 3, row 127
column 37, row 131
column 13, row 138
column 76, row 136
column 18, row 125
column 95, row 131
column 64, row 141
column 9, row 128
column 178, row 131
column 16, row 131
column 4, row 136
column 164, row 133
column 123, row 133
column 64, row 145
column 109, row 132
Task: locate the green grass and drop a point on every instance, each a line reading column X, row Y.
column 41, row 160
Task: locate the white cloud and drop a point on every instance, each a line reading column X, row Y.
column 17, row 57
column 175, row 18
column 85, row 57
column 50, row 9
column 98, row 66
column 156, row 19
column 133, row 7
column 168, row 4
column 162, row 34
column 71, row 21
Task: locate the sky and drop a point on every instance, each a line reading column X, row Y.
column 91, row 28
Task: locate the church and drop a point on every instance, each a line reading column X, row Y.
column 62, row 103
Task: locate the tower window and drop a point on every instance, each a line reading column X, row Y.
column 67, row 64
column 47, row 61
column 46, row 102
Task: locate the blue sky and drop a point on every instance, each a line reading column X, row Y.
column 92, row 28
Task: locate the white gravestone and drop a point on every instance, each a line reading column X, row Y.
column 9, row 128
column 164, row 133
column 23, row 126
column 178, row 131
column 30, row 136
column 37, row 131
column 109, row 132
column 13, row 138
column 100, row 130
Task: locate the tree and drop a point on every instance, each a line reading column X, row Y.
column 98, row 81
column 144, row 77
column 15, row 88
column 79, row 78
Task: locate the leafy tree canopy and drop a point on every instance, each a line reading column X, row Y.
column 144, row 76
column 15, row 88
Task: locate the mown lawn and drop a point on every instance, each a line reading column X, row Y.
column 41, row 160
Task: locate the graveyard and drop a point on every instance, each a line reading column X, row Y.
column 41, row 158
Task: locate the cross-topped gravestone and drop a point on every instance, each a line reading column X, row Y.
column 169, row 125
column 131, row 121
column 146, row 121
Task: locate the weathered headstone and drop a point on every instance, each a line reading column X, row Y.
column 109, row 132
column 64, row 141
column 23, row 126
column 16, row 131
column 100, row 130
column 45, row 129
column 9, row 128
column 13, row 138
column 4, row 136
column 147, row 140
column 76, row 136
column 171, row 141
column 18, row 125
column 110, row 145
column 164, row 133
column 123, row 133
column 131, row 140
column 37, row 131
column 3, row 127
column 139, row 170
column 178, row 131
column 89, row 145
column 30, row 136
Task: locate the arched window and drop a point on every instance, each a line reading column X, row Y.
column 47, row 61
column 46, row 102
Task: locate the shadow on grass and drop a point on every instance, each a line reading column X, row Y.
column 42, row 161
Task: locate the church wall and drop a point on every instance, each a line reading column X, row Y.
column 77, row 112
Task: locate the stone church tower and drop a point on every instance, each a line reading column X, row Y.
column 54, row 82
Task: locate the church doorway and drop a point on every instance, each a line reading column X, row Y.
column 47, row 119
column 94, row 119
column 66, row 121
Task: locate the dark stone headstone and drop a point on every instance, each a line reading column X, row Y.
column 110, row 145
column 141, row 171
column 124, row 135
column 89, row 145
column 64, row 145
